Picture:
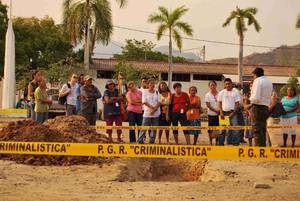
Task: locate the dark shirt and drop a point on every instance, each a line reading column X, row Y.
column 111, row 108
column 89, row 105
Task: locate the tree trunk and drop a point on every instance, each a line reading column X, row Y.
column 170, row 60
column 87, row 39
column 240, row 61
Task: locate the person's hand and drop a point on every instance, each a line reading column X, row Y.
column 222, row 115
column 231, row 114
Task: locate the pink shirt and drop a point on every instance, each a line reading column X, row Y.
column 136, row 96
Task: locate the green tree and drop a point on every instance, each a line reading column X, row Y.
column 83, row 19
column 292, row 81
column 170, row 21
column 3, row 27
column 240, row 16
column 143, row 50
column 39, row 42
column 133, row 74
column 298, row 22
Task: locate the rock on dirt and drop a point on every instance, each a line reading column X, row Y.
column 61, row 129
column 262, row 185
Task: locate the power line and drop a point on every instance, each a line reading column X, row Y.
column 204, row 40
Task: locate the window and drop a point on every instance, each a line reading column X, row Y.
column 105, row 74
column 179, row 77
column 207, row 77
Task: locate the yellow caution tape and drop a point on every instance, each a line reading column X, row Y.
column 13, row 111
column 151, row 151
column 190, row 127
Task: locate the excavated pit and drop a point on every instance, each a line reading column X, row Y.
column 161, row 170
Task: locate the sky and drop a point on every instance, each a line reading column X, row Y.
column 277, row 18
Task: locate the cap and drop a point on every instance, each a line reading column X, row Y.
column 88, row 77
column 109, row 82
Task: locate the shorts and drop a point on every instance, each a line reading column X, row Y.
column 195, row 122
column 288, row 122
column 163, row 121
column 213, row 121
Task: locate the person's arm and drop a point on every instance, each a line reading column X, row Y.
column 295, row 108
column 255, row 92
column 30, row 90
column 38, row 96
column 97, row 94
column 64, row 91
column 131, row 101
column 221, row 111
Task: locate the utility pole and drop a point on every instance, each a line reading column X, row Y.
column 203, row 53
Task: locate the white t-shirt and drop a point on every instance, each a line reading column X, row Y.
column 228, row 99
column 71, row 98
column 213, row 100
column 152, row 99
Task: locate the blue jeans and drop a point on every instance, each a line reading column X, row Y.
column 149, row 121
column 178, row 117
column 32, row 112
column 134, row 119
column 233, row 135
column 41, row 116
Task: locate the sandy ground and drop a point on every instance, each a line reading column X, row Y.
column 220, row 180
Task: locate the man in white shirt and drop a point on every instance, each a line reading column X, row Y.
column 229, row 102
column 260, row 99
column 69, row 90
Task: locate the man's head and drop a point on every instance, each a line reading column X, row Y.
column 151, row 84
column 88, row 80
column 228, row 84
column 258, row 72
column 144, row 82
column 177, row 87
column 81, row 79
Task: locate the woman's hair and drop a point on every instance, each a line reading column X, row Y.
column 159, row 89
column 177, row 84
column 193, row 87
column 34, row 73
column 294, row 90
column 130, row 83
column 212, row 81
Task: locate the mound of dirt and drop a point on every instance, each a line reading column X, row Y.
column 141, row 169
column 61, row 129
column 77, row 128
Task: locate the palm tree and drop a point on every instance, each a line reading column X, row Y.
column 298, row 22
column 170, row 21
column 83, row 19
column 240, row 15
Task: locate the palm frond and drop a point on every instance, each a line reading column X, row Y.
column 122, row 3
column 252, row 20
column 177, row 14
column 157, row 18
column 177, row 38
column 185, row 28
column 161, row 29
column 232, row 15
column 251, row 10
column 164, row 11
column 102, row 21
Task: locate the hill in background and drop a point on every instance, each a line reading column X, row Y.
column 283, row 55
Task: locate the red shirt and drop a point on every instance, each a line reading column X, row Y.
column 180, row 102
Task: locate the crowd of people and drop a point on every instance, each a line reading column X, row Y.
column 151, row 106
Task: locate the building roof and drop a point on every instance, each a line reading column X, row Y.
column 194, row 67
